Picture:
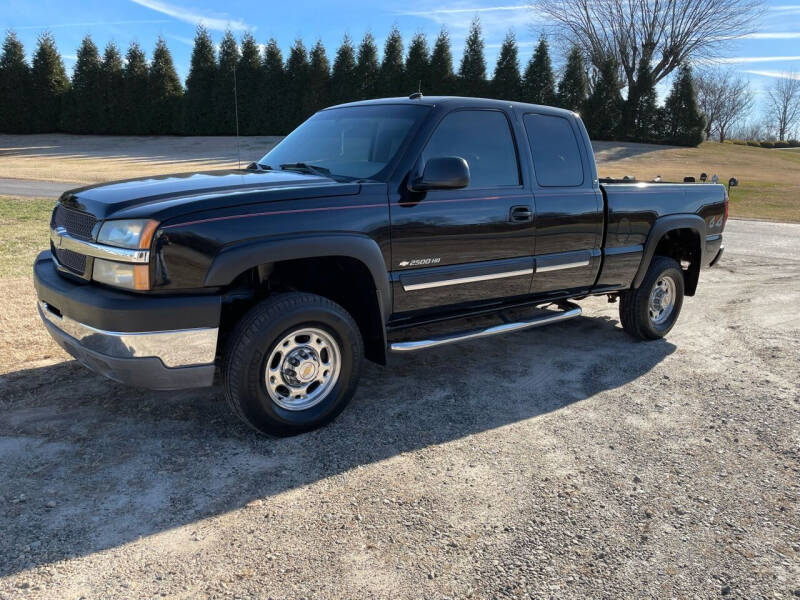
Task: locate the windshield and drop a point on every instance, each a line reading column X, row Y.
column 357, row 142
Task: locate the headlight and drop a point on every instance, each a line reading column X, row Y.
column 135, row 234
column 124, row 275
column 129, row 233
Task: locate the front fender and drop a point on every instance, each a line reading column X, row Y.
column 236, row 259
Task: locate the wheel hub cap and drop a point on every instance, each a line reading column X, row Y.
column 302, row 368
column 662, row 300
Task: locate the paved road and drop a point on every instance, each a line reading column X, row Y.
column 34, row 188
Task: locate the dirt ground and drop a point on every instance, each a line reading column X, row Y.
column 562, row 462
column 96, row 158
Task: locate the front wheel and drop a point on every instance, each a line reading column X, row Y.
column 651, row 310
column 292, row 363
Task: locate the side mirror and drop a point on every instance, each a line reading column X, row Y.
column 445, row 173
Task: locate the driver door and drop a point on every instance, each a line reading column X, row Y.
column 467, row 245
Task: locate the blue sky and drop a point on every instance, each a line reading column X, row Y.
column 773, row 49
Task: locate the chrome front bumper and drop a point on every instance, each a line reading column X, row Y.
column 154, row 359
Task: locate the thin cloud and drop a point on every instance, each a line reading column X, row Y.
column 217, row 23
column 455, row 11
column 457, row 17
column 182, row 39
column 776, row 74
column 733, row 60
column 97, row 24
column 765, row 35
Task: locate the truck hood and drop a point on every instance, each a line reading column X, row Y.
column 166, row 196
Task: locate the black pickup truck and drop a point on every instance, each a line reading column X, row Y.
column 381, row 226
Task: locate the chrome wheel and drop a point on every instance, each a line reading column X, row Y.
column 662, row 300
column 302, row 368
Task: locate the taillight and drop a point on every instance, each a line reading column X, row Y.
column 725, row 215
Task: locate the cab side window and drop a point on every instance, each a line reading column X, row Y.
column 483, row 139
column 556, row 155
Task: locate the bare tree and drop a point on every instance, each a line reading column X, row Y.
column 724, row 101
column 659, row 34
column 750, row 130
column 783, row 103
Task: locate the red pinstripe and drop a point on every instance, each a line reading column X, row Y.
column 326, row 208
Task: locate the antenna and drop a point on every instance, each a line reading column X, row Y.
column 236, row 113
column 419, row 87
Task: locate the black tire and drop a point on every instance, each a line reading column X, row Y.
column 634, row 306
column 254, row 339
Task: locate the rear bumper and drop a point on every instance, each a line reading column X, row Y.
column 717, row 257
column 122, row 336
column 713, row 249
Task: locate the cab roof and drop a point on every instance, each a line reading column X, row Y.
column 458, row 102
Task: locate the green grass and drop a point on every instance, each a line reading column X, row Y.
column 24, row 226
column 769, row 180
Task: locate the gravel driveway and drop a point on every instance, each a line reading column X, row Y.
column 564, row 462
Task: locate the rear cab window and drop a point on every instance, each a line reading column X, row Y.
column 482, row 138
column 555, row 150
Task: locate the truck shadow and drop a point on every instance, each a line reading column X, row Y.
column 89, row 464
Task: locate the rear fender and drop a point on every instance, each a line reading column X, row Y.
column 662, row 226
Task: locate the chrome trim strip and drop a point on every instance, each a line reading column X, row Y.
column 62, row 240
column 175, row 348
column 574, row 311
column 434, row 284
column 569, row 265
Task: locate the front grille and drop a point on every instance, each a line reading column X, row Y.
column 69, row 259
column 78, row 224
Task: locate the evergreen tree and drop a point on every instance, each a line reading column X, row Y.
column 273, row 94
column 319, row 80
column 367, row 69
column 507, row 84
column 684, row 123
column 49, row 84
column 418, row 65
column 602, row 113
column 15, row 87
column 136, row 98
column 248, row 85
column 113, row 91
column 223, row 85
column 643, row 119
column 344, row 86
column 164, row 92
column 296, row 84
column 392, row 75
column 472, row 72
column 442, row 78
column 572, row 87
column 83, row 110
column 539, row 86
column 199, row 115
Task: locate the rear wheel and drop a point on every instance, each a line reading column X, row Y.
column 292, row 363
column 650, row 311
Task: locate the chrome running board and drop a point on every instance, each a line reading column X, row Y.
column 570, row 312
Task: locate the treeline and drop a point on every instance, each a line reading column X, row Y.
column 111, row 95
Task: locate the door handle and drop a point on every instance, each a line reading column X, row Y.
column 520, row 214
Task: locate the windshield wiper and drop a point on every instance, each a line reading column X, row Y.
column 301, row 166
column 254, row 166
